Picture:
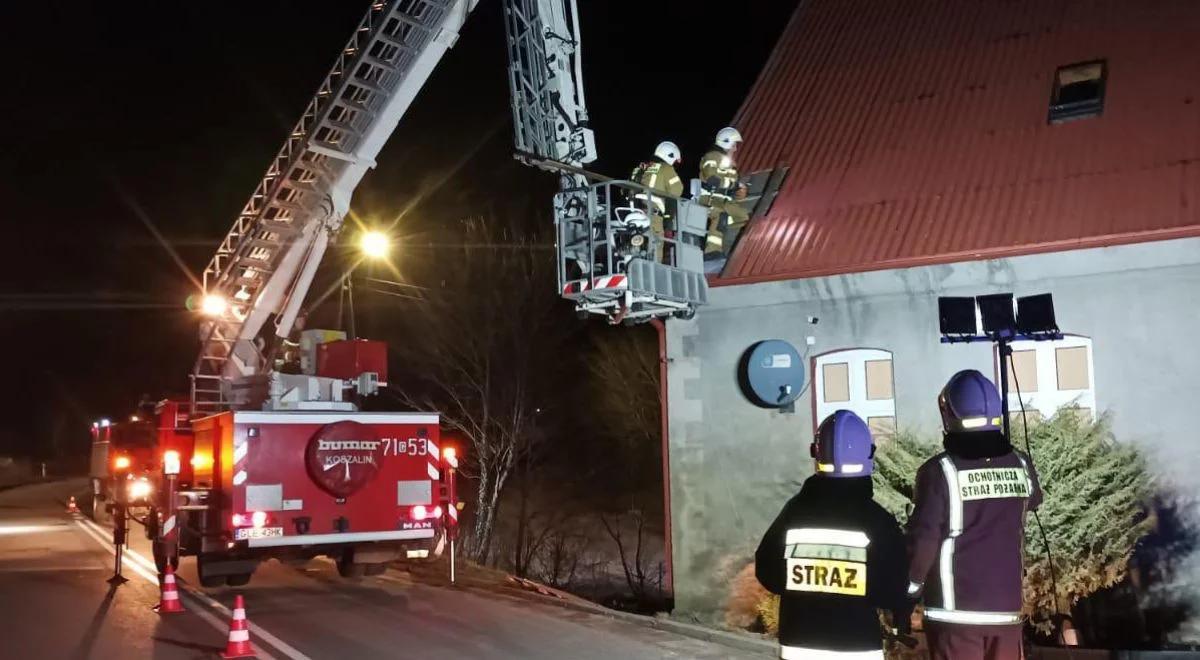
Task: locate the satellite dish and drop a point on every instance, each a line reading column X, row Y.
column 771, row 374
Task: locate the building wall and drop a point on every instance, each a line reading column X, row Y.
column 733, row 465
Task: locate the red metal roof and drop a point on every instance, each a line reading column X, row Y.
column 916, row 133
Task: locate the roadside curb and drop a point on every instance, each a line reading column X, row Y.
column 742, row 642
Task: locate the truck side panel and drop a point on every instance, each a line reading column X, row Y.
column 268, row 467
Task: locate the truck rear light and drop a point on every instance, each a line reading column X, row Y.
column 419, row 512
column 259, row 518
column 238, row 520
column 437, row 513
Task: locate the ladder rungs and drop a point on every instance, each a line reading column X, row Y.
column 356, row 105
column 281, row 228
column 289, row 205
column 368, row 84
column 342, row 126
column 264, row 243
column 381, row 63
column 252, row 262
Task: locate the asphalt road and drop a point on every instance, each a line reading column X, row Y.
column 55, row 603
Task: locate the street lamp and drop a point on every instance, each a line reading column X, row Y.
column 374, row 244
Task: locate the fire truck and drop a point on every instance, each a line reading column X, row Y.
column 125, row 459
column 240, row 486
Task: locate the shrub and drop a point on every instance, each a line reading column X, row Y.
column 746, row 595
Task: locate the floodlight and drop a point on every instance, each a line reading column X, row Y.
column 1035, row 315
column 956, row 316
column 996, row 311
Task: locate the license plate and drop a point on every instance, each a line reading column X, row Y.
column 257, row 533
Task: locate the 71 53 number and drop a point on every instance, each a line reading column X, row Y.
column 409, row 447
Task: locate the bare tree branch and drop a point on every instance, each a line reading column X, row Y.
column 479, row 348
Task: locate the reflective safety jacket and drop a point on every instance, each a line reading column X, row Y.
column 965, row 536
column 718, row 174
column 659, row 177
column 833, row 556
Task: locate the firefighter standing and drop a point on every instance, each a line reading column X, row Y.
column 721, row 191
column 833, row 555
column 965, row 534
column 659, row 176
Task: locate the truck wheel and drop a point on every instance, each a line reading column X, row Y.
column 375, row 569
column 239, row 580
column 348, row 569
column 207, row 580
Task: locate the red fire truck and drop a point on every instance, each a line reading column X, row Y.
column 241, row 486
column 126, row 458
column 360, row 487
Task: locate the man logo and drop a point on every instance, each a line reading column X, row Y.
column 343, row 457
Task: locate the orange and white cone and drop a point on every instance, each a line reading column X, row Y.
column 71, row 508
column 169, row 601
column 239, row 633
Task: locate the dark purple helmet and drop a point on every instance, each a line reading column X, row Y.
column 844, row 447
column 970, row 402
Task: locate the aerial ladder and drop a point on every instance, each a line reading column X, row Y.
column 256, row 284
column 260, row 275
column 606, row 261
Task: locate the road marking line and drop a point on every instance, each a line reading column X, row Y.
column 279, row 644
column 145, row 568
column 133, row 561
column 50, row 569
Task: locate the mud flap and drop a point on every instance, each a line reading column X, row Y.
column 441, row 545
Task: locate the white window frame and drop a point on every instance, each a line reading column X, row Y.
column 1048, row 399
column 856, row 364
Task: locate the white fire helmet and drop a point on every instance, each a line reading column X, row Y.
column 668, row 152
column 728, row 137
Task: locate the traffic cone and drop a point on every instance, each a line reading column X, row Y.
column 169, row 601
column 239, row 633
column 71, row 508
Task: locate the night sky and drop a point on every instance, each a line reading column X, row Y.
column 170, row 112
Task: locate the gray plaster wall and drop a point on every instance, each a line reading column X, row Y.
column 733, row 465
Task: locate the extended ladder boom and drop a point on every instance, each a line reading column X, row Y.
column 607, row 255
column 545, row 71
column 266, row 263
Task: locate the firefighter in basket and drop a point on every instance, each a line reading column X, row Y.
column 659, row 176
column 722, row 192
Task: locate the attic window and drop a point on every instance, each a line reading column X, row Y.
column 1078, row 91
